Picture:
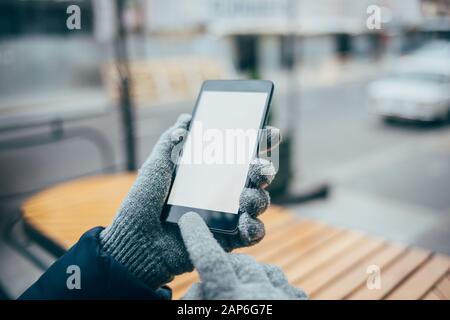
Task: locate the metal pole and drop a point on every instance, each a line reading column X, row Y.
column 126, row 105
column 293, row 109
column 293, row 86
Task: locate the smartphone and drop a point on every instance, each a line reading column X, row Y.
column 221, row 142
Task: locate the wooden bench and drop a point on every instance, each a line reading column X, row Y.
column 328, row 262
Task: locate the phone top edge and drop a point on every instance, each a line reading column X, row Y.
column 238, row 85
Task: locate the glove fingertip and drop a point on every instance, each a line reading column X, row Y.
column 272, row 138
column 254, row 201
column 262, row 172
column 183, row 120
column 251, row 230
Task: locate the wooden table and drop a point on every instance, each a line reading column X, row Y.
column 328, row 262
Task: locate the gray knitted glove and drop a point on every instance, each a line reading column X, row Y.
column 153, row 250
column 228, row 276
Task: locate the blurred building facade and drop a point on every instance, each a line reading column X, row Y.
column 269, row 35
column 41, row 65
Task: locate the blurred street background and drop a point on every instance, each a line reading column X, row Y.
column 362, row 96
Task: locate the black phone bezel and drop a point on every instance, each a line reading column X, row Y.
column 222, row 222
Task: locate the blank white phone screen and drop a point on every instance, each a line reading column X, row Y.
column 221, row 142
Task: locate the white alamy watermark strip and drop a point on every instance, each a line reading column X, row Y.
column 233, row 146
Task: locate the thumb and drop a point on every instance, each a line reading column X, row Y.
column 153, row 181
column 162, row 152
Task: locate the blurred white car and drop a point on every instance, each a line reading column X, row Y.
column 434, row 49
column 418, row 89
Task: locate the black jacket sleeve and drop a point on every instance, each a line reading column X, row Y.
column 101, row 277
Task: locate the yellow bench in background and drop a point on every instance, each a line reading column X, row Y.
column 165, row 80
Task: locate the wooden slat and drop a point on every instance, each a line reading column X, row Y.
column 357, row 277
column 443, row 287
column 432, row 295
column 182, row 283
column 340, row 265
column 296, row 242
column 422, row 280
column 180, row 291
column 278, row 236
column 393, row 275
column 327, row 236
column 298, row 268
column 276, row 217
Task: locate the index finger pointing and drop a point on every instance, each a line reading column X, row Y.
column 210, row 260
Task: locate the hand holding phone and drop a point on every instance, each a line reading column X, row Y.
column 151, row 249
